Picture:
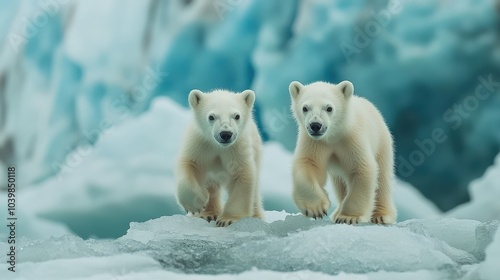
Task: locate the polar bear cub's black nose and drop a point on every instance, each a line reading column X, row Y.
column 226, row 135
column 315, row 126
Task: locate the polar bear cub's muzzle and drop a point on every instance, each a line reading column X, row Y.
column 316, row 129
column 225, row 137
column 316, row 126
column 225, row 134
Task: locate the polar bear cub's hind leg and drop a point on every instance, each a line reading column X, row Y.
column 385, row 211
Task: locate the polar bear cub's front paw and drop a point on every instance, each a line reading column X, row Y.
column 192, row 199
column 208, row 215
column 384, row 217
column 224, row 221
column 313, row 204
column 347, row 219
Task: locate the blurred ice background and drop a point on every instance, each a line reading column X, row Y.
column 93, row 101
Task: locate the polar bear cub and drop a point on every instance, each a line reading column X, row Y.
column 221, row 148
column 344, row 136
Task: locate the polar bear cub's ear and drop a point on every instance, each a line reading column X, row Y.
column 295, row 88
column 346, row 87
column 195, row 97
column 249, row 97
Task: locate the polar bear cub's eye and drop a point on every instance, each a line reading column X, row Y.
column 237, row 117
column 211, row 118
column 329, row 109
column 304, row 109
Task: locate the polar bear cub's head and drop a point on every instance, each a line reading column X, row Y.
column 320, row 108
column 222, row 115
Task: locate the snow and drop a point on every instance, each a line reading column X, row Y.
column 489, row 270
column 484, row 193
column 143, row 268
column 293, row 246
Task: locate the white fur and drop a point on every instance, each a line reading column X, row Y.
column 207, row 163
column 353, row 146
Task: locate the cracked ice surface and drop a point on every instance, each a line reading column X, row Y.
column 285, row 243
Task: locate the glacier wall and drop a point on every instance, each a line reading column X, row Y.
column 72, row 70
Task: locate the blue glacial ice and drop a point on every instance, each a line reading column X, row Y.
column 74, row 76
